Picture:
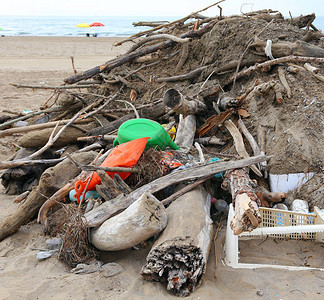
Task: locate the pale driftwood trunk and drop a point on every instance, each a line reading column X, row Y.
column 180, row 253
column 239, row 144
column 39, row 138
column 281, row 49
column 246, row 211
column 140, row 221
column 51, row 180
column 110, row 208
column 186, row 132
column 175, row 101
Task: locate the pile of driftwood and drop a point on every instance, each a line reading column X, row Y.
column 182, row 75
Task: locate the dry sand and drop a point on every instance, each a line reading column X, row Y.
column 33, row 60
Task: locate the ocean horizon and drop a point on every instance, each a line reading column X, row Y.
column 66, row 26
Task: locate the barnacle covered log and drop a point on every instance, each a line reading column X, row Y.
column 246, row 211
column 180, row 254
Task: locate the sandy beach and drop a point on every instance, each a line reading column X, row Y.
column 35, row 60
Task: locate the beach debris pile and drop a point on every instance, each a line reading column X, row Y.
column 154, row 144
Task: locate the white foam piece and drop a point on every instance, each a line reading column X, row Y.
column 288, row 182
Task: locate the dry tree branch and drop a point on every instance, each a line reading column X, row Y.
column 165, row 25
column 158, row 37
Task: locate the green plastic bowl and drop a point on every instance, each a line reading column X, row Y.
column 139, row 128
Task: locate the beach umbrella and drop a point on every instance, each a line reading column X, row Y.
column 96, row 24
column 83, row 25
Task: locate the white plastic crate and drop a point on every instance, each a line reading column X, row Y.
column 275, row 218
column 277, row 223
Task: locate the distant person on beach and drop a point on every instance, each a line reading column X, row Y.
column 88, row 34
column 95, row 35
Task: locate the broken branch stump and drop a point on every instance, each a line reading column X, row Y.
column 246, row 211
column 174, row 100
column 180, row 254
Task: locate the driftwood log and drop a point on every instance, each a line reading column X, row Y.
column 303, row 21
column 51, row 180
column 180, row 254
column 299, row 48
column 39, row 138
column 20, row 179
column 177, row 103
column 246, row 212
column 110, row 188
column 140, row 221
column 100, row 214
column 15, row 130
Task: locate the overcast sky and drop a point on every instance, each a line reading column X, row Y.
column 152, row 8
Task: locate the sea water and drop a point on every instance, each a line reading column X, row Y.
column 66, row 26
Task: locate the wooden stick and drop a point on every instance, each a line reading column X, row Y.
column 239, row 144
column 61, row 87
column 267, row 64
column 23, row 163
column 110, row 99
column 21, row 197
column 283, row 80
column 25, row 117
column 186, row 189
column 312, row 70
column 12, row 131
column 158, row 37
column 249, row 137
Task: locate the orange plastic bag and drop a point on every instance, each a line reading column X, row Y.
column 124, row 155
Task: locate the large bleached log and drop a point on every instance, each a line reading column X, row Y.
column 100, row 214
column 180, row 253
column 140, row 221
column 39, row 138
column 246, row 211
column 51, row 181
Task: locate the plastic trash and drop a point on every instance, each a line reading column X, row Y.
column 21, row 124
column 280, row 206
column 42, row 255
column 139, row 128
column 299, row 205
column 172, row 132
column 54, row 243
column 218, row 175
column 125, row 155
column 88, row 195
column 220, row 205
